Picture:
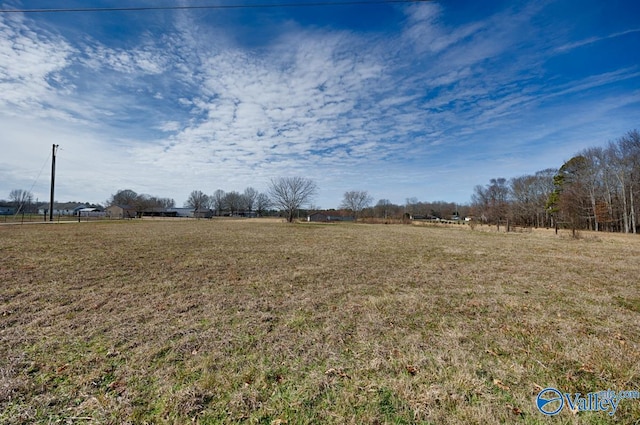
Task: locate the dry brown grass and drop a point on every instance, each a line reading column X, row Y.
column 264, row 322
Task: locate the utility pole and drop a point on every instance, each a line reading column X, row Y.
column 53, row 179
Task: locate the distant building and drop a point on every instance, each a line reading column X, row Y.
column 90, row 212
column 120, row 211
column 203, row 213
column 62, row 208
column 329, row 216
column 181, row 212
column 7, row 211
column 422, row 217
column 159, row 212
column 248, row 214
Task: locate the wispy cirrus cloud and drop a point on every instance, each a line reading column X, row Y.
column 590, row 40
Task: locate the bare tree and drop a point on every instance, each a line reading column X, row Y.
column 290, row 193
column 382, row 208
column 21, row 199
column 528, row 195
column 165, row 202
column 544, row 188
column 411, row 205
column 490, row 202
column 356, row 201
column 139, row 201
column 633, row 146
column 249, row 195
column 197, row 200
column 263, row 203
column 570, row 201
column 593, row 176
column 234, row 202
column 144, row 203
column 217, row 201
column 630, row 148
column 522, row 195
column 621, row 171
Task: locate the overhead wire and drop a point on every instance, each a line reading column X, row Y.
column 219, row 6
column 30, row 191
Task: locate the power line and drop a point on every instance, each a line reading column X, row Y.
column 239, row 6
column 30, row 191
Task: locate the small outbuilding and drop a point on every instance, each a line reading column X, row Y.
column 90, row 212
column 203, row 213
column 159, row 212
column 181, row 212
column 120, row 211
column 328, row 216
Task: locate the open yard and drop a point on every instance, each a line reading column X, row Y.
column 265, row 322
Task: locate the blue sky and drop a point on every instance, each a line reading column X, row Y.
column 402, row 100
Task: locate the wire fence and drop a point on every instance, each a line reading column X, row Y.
column 34, row 218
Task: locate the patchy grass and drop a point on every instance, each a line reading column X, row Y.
column 265, row 322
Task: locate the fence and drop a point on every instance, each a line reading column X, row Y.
column 34, row 218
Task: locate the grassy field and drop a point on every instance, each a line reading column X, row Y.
column 265, row 322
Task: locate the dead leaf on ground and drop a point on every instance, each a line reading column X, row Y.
column 621, row 339
column 116, row 386
column 412, row 370
column 498, row 383
column 587, row 368
column 337, row 372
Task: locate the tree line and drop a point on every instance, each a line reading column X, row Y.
column 285, row 196
column 415, row 209
column 140, row 201
column 288, row 194
column 230, row 203
column 597, row 189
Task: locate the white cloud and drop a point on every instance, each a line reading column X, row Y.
column 30, row 64
column 262, row 108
